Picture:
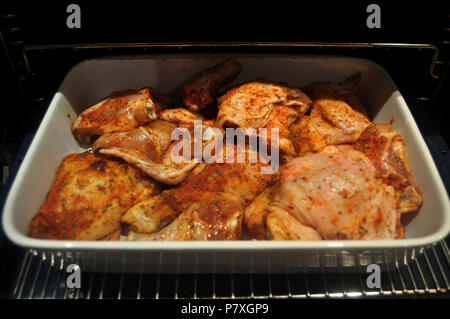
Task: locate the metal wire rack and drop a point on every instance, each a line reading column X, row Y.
column 44, row 276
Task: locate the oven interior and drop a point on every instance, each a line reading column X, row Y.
column 31, row 74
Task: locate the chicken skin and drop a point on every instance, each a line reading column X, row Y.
column 233, row 185
column 334, row 194
column 256, row 213
column 262, row 104
column 152, row 140
column 201, row 90
column 88, row 198
column 263, row 220
column 282, row 225
column 337, row 117
column 385, row 147
column 120, row 112
column 180, row 117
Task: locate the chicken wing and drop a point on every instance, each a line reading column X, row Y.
column 332, row 120
column 88, row 198
column 262, row 104
column 242, row 182
column 201, row 90
column 334, row 194
column 385, row 147
column 120, row 112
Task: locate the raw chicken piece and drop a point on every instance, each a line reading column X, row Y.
column 235, row 182
column 151, row 140
column 337, row 117
column 88, row 197
column 201, row 90
column 334, row 194
column 385, row 147
column 150, row 147
column 265, row 221
column 281, row 225
column 161, row 172
column 216, row 216
column 262, row 104
column 180, row 117
column 256, row 214
column 120, row 112
column 345, row 90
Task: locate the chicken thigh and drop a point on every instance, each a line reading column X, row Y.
column 332, row 120
column 334, row 194
column 256, row 213
column 120, row 112
column 385, row 147
column 149, row 147
column 88, row 197
column 262, row 104
column 151, row 140
column 215, row 216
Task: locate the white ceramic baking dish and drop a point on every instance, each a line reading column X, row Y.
column 92, row 80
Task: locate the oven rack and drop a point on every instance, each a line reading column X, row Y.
column 43, row 276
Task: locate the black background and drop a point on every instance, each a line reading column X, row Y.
column 44, row 22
